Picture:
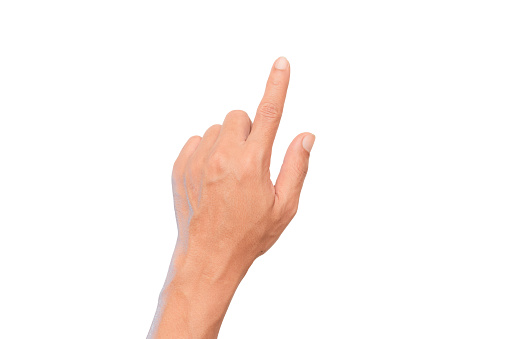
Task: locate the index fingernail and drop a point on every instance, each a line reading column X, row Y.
column 308, row 142
column 281, row 63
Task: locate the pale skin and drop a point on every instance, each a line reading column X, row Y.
column 228, row 211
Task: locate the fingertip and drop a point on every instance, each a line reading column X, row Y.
column 308, row 142
column 281, row 63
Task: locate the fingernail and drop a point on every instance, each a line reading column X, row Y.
column 281, row 63
column 308, row 142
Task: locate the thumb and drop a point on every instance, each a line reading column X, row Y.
column 293, row 171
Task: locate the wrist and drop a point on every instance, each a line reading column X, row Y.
column 211, row 257
column 196, row 298
column 196, row 271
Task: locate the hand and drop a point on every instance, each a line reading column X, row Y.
column 228, row 210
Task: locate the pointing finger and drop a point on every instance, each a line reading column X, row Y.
column 269, row 111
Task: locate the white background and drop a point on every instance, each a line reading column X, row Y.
column 403, row 224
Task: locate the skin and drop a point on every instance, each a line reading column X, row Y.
column 228, row 211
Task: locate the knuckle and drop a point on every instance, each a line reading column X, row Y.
column 237, row 115
column 276, row 82
column 180, row 164
column 287, row 209
column 217, row 161
column 213, row 128
column 194, row 138
column 269, row 111
column 290, row 210
column 300, row 169
column 249, row 165
column 175, row 172
column 251, row 161
column 178, row 167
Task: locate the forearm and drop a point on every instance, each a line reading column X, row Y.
column 194, row 301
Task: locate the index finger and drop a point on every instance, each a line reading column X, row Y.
column 270, row 109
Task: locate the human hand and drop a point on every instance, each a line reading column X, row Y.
column 228, row 210
column 226, row 204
